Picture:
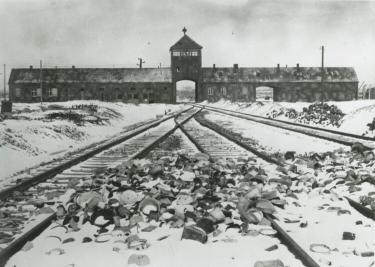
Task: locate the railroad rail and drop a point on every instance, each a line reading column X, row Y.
column 205, row 139
column 137, row 144
column 284, row 237
column 344, row 138
column 211, row 140
column 359, row 207
column 226, row 149
column 26, row 183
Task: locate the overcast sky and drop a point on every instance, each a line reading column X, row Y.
column 107, row 33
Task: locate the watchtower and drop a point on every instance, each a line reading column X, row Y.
column 186, row 63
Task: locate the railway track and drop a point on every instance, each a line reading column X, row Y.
column 219, row 145
column 364, row 211
column 215, row 142
column 52, row 185
column 57, row 167
column 347, row 139
column 336, row 136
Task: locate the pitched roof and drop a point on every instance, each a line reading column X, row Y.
column 302, row 74
column 94, row 75
column 185, row 43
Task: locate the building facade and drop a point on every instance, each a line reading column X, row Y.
column 159, row 85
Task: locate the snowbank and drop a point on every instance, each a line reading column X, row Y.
column 357, row 113
column 28, row 137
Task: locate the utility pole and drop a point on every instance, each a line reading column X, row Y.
column 322, row 78
column 5, row 85
column 369, row 93
column 140, row 62
column 361, row 89
column 41, row 82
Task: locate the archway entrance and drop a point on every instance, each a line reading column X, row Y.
column 185, row 91
column 264, row 93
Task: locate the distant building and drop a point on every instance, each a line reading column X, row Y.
column 159, row 84
column 369, row 93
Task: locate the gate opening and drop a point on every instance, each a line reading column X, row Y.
column 264, row 93
column 185, row 91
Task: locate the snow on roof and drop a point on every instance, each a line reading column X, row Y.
column 308, row 74
column 95, row 75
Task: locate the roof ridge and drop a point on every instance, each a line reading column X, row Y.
column 188, row 39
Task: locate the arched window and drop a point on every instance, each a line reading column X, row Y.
column 210, row 91
column 223, row 90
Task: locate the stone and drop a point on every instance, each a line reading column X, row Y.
column 194, row 233
column 130, row 197
column 29, row 245
column 187, row 176
column 348, row 236
column 139, row 259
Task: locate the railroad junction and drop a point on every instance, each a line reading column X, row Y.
column 199, row 177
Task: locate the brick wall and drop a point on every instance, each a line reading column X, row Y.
column 126, row 92
column 165, row 92
column 283, row 91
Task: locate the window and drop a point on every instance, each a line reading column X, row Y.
column 18, row 92
column 223, row 90
column 244, row 90
column 52, row 92
column 186, row 53
column 210, row 91
column 35, row 92
column 178, row 69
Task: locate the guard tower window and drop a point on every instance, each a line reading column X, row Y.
column 176, row 53
column 223, row 90
column 194, row 53
column 210, row 91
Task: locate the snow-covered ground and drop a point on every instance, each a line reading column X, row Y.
column 28, row 137
column 265, row 135
column 357, row 113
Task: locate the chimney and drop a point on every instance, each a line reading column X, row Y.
column 214, row 67
column 73, row 67
column 235, row 67
column 297, row 66
column 31, row 67
column 278, row 67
